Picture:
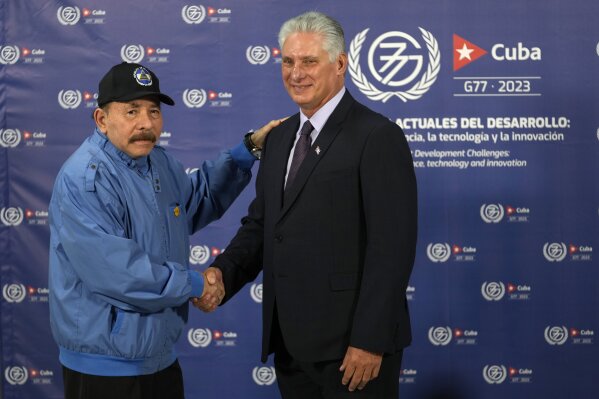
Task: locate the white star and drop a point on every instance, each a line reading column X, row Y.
column 464, row 52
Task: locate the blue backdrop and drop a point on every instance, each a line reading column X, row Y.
column 499, row 101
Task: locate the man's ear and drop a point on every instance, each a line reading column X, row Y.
column 341, row 64
column 100, row 119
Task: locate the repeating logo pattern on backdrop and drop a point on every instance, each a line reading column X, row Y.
column 442, row 252
column 10, row 137
column 495, row 213
column 19, row 375
column 9, row 55
column 136, row 53
column 494, row 374
column 203, row 337
column 497, row 373
column 256, row 292
column 264, row 375
column 443, row 335
column 199, row 337
column 196, row 14
column 14, row 293
column 439, row 252
column 16, row 375
column 71, row 15
column 133, row 53
column 200, row 254
column 197, row 98
column 194, row 98
column 440, row 336
column 68, row 15
column 193, row 14
column 11, row 216
column 261, row 54
column 492, row 213
column 558, row 251
column 69, row 99
column 494, row 291
column 559, row 335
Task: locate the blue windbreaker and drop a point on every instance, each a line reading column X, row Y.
column 119, row 273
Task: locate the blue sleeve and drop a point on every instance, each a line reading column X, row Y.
column 242, row 156
column 216, row 184
column 92, row 241
column 197, row 284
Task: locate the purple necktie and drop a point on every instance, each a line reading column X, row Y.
column 299, row 153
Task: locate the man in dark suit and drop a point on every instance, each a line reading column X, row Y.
column 334, row 233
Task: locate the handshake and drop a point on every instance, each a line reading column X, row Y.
column 214, row 291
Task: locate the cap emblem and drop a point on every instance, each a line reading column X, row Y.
column 142, row 76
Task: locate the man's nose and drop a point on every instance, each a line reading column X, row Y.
column 144, row 121
column 297, row 72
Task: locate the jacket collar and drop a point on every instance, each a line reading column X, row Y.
column 141, row 164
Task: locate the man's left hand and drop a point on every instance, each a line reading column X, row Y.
column 360, row 366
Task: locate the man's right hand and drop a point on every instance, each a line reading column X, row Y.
column 214, row 291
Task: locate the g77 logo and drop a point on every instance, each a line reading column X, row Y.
column 393, row 63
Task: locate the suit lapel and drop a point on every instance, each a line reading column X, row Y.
column 318, row 150
column 281, row 156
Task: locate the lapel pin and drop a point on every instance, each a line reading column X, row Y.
column 317, row 149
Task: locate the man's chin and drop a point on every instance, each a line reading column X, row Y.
column 300, row 99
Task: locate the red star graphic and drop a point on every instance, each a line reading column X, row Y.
column 464, row 52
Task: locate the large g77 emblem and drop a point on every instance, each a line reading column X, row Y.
column 393, row 59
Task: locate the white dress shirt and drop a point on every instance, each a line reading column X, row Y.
column 317, row 120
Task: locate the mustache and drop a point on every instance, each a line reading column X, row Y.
column 143, row 136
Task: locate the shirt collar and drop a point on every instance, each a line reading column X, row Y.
column 322, row 115
column 141, row 164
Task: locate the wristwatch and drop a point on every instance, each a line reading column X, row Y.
column 249, row 144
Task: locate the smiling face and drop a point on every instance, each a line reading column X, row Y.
column 309, row 76
column 133, row 127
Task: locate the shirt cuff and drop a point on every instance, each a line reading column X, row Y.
column 197, row 284
column 242, row 157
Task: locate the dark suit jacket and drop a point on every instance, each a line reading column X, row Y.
column 337, row 246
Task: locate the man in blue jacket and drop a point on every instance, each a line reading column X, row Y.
column 121, row 213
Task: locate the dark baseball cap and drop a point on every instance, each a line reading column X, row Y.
column 125, row 82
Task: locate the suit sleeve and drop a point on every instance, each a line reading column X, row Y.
column 241, row 262
column 388, row 188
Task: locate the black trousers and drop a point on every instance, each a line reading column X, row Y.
column 165, row 384
column 322, row 380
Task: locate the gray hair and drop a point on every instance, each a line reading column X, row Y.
column 316, row 22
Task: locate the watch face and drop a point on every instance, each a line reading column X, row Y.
column 255, row 151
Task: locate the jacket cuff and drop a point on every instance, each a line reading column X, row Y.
column 197, row 284
column 242, row 156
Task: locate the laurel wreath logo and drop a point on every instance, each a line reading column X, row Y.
column 415, row 92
